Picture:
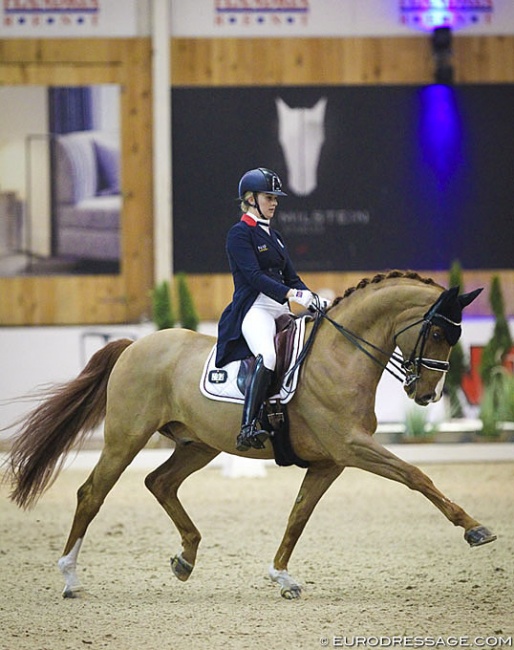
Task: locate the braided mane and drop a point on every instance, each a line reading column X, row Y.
column 380, row 277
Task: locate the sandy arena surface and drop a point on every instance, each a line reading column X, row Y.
column 376, row 560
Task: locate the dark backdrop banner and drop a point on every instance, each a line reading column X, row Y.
column 378, row 177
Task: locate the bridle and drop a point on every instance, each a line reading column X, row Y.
column 406, row 371
column 412, row 367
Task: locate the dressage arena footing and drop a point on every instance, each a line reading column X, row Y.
column 235, row 466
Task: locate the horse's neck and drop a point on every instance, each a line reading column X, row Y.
column 374, row 314
column 385, row 306
column 366, row 318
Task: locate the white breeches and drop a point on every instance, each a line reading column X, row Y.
column 259, row 328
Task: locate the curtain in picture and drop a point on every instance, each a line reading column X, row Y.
column 70, row 109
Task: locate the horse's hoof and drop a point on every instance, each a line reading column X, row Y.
column 478, row 536
column 291, row 593
column 290, row 589
column 181, row 568
column 71, row 592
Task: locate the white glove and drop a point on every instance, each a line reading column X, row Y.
column 303, row 297
column 319, row 303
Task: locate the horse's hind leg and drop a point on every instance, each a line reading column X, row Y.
column 164, row 482
column 317, row 480
column 90, row 497
column 370, row 455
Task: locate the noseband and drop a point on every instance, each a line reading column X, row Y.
column 412, row 367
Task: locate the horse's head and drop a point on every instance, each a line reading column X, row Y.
column 426, row 345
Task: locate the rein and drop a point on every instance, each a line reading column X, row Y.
column 398, row 371
column 404, row 371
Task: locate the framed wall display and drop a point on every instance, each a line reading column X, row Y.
column 377, row 176
column 85, row 263
column 60, row 160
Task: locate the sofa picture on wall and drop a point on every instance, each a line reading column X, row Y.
column 60, row 185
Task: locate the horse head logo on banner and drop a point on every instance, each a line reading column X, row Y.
column 301, row 133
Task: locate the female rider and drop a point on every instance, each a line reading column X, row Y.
column 264, row 280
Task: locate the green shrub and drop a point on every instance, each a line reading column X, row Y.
column 187, row 312
column 497, row 404
column 162, row 309
column 501, row 342
column 498, row 386
column 506, row 408
column 416, row 423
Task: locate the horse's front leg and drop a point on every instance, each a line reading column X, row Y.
column 368, row 454
column 318, row 479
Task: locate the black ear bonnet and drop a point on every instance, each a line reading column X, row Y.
column 446, row 312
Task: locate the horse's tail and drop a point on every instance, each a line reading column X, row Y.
column 69, row 412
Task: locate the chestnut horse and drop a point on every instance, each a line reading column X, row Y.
column 153, row 385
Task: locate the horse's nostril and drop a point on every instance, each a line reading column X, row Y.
column 425, row 399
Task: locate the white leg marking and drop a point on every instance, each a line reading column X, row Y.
column 68, row 567
column 289, row 587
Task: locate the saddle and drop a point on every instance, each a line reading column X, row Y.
column 284, row 344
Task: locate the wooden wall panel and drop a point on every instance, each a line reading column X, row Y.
column 484, row 60
column 93, row 299
column 317, row 61
column 74, row 52
column 137, row 181
column 53, row 75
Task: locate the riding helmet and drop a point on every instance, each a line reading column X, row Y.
column 260, row 180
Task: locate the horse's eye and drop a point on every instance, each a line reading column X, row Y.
column 437, row 336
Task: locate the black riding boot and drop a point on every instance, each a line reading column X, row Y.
column 254, row 397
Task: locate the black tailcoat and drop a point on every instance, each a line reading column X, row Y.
column 259, row 263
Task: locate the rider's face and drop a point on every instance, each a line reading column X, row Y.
column 267, row 204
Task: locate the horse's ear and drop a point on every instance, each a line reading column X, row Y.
column 466, row 299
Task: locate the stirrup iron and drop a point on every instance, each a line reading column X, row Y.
column 250, row 437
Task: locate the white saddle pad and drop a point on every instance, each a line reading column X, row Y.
column 221, row 383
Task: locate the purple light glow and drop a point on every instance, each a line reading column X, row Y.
column 427, row 15
column 440, row 131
